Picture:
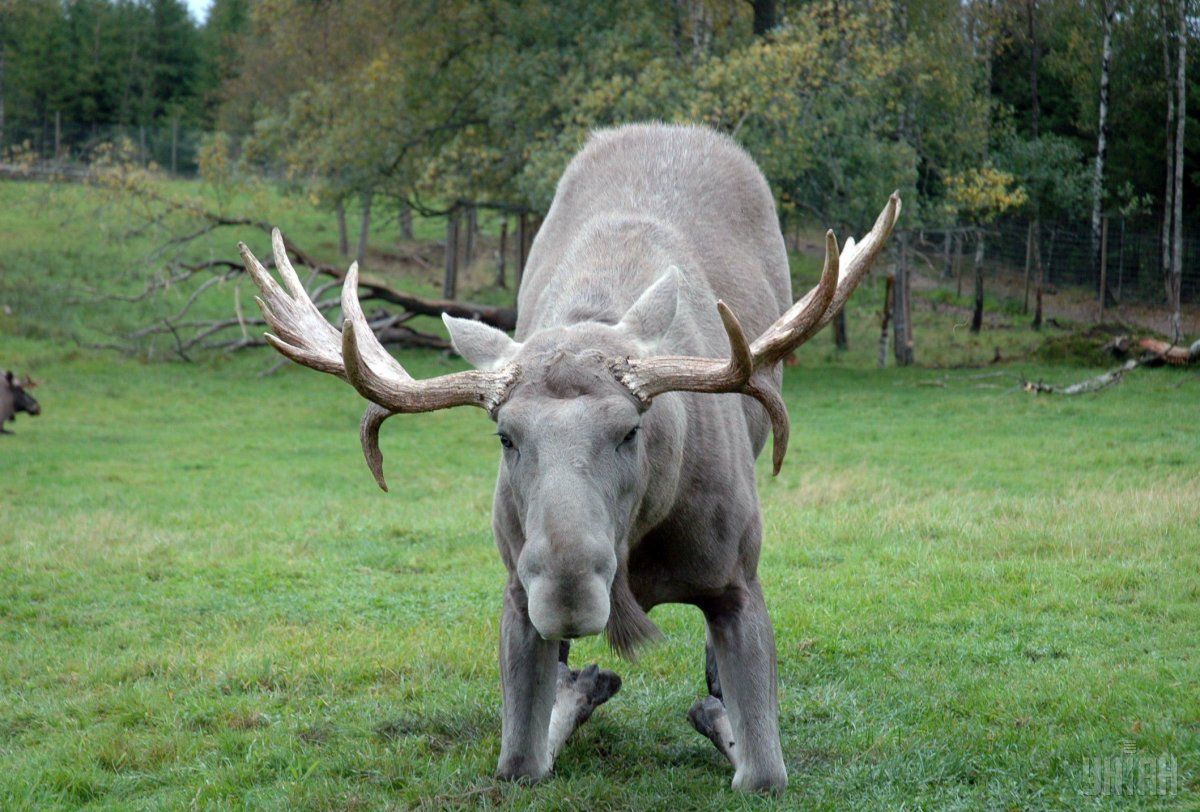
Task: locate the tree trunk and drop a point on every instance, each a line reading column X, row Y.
column 1109, row 9
column 888, row 295
column 364, row 229
column 450, row 281
column 947, row 266
column 902, row 343
column 1168, row 222
column 406, row 221
column 977, row 315
column 840, row 341
column 343, row 234
column 1180, row 122
column 500, row 281
column 765, row 15
column 1035, row 100
column 1041, row 273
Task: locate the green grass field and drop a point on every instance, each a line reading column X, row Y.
column 978, row 595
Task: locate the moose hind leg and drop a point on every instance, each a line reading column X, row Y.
column 577, row 695
column 708, row 715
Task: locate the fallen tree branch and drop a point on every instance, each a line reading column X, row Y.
column 1094, row 384
column 186, row 222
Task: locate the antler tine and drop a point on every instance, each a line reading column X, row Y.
column 303, row 334
column 857, row 257
column 803, row 318
column 649, row 377
column 368, row 435
column 747, row 367
column 368, row 365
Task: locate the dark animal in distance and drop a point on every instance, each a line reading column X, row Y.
column 626, row 479
column 14, row 397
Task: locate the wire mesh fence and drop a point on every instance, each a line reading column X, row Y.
column 168, row 143
column 1127, row 259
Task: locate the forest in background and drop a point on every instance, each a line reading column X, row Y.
column 1050, row 110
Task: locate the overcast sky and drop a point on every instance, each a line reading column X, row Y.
column 199, row 8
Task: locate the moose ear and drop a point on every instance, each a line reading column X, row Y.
column 8, row 375
column 652, row 314
column 482, row 345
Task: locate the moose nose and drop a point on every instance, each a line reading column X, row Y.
column 567, row 590
column 565, row 610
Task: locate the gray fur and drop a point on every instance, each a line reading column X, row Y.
column 597, row 526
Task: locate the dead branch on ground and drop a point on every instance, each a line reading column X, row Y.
column 185, row 222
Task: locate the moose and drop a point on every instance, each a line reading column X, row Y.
column 14, row 398
column 624, row 481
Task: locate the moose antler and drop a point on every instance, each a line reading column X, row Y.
column 355, row 355
column 648, row 377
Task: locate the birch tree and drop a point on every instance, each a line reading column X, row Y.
column 1166, row 14
column 1177, row 198
column 1108, row 9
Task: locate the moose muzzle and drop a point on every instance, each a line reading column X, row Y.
column 567, row 570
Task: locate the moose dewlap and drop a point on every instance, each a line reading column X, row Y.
column 624, row 482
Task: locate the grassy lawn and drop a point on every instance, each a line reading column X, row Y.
column 204, row 600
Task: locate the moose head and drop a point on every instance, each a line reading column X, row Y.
column 15, row 397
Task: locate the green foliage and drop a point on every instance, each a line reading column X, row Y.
column 100, row 66
column 981, row 195
column 1051, row 171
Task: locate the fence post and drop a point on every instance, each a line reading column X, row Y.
column 175, row 145
column 977, row 315
column 1103, row 263
column 883, row 322
column 958, row 263
column 472, row 226
column 522, row 244
column 1028, row 263
column 450, row 281
column 500, row 282
column 902, row 343
column 1041, row 273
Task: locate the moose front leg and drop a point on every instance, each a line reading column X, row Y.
column 743, row 646
column 528, row 678
column 544, row 700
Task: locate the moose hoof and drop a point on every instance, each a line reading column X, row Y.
column 522, row 770
column 581, row 692
column 769, row 782
column 709, row 718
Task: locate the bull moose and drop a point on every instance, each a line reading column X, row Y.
column 14, row 397
column 625, row 482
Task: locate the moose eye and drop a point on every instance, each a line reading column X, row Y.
column 631, row 436
column 506, row 441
